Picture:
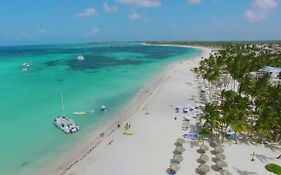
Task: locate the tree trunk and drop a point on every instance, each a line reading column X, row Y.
column 236, row 139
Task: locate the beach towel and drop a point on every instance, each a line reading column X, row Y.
column 191, row 136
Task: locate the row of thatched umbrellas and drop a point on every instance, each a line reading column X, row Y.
column 177, row 158
column 219, row 158
column 203, row 159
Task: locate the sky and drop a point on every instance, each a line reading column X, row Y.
column 75, row 21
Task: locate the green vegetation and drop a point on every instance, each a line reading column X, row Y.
column 276, row 169
column 236, row 100
column 233, row 98
column 221, row 44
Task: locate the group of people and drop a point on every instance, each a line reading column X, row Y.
column 127, row 126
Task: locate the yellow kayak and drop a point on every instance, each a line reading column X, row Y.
column 80, row 113
column 128, row 133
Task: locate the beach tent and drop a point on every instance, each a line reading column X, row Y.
column 191, row 136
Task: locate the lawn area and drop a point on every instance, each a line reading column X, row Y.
column 274, row 168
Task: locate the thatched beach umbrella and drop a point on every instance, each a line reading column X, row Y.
column 218, row 150
column 173, row 160
column 221, row 164
column 179, row 149
column 220, row 156
column 179, row 157
column 224, row 172
column 178, row 144
column 214, row 144
column 175, row 167
column 204, row 147
column 204, row 158
column 203, row 169
column 180, row 140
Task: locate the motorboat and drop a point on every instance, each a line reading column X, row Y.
column 80, row 58
column 24, row 69
column 103, row 108
column 26, row 64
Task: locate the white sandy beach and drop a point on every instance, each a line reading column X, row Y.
column 149, row 150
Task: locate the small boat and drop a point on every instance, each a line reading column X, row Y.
column 128, row 132
column 24, row 69
column 65, row 124
column 80, row 58
column 26, row 64
column 103, row 108
column 80, row 113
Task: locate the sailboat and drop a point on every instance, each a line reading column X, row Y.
column 65, row 124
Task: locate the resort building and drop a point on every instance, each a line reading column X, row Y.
column 273, row 71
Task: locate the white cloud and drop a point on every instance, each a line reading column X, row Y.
column 141, row 3
column 92, row 32
column 109, row 9
column 87, row 13
column 194, row 1
column 260, row 9
column 134, row 16
column 42, row 30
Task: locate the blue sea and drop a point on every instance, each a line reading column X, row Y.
column 111, row 74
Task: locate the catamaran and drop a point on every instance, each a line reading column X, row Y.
column 65, row 124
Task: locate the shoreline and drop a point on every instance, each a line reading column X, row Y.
column 79, row 153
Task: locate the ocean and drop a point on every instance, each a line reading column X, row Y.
column 111, row 74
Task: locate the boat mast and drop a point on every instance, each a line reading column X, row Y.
column 62, row 105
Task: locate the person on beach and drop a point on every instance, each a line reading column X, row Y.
column 110, row 141
column 118, row 126
column 127, row 126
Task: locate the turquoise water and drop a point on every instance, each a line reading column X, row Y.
column 111, row 74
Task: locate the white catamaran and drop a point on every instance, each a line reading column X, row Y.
column 64, row 123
